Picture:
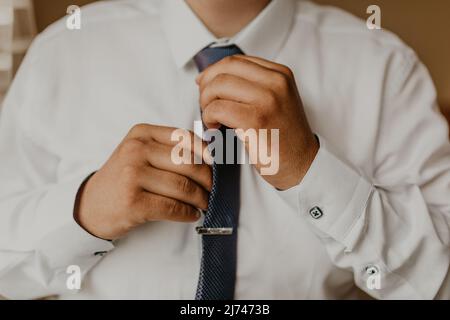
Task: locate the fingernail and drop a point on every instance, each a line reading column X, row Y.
column 199, row 213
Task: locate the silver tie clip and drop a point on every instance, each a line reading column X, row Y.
column 214, row 231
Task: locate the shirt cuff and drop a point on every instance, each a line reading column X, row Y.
column 61, row 240
column 333, row 197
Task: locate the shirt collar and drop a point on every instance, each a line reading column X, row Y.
column 263, row 37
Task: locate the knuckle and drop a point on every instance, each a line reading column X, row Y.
column 220, row 79
column 175, row 210
column 230, row 59
column 186, row 186
column 132, row 147
column 215, row 105
column 162, row 205
column 171, row 207
column 205, row 95
column 139, row 128
column 287, row 71
column 281, row 81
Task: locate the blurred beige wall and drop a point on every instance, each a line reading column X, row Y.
column 423, row 24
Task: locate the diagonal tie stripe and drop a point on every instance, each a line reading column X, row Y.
column 218, row 266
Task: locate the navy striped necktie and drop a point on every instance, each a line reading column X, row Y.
column 219, row 233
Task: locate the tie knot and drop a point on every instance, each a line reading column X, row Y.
column 211, row 55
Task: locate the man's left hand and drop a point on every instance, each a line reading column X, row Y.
column 243, row 92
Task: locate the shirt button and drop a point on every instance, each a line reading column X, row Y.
column 100, row 253
column 316, row 213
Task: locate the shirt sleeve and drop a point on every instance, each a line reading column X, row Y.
column 39, row 238
column 390, row 227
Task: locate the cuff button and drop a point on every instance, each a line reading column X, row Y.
column 316, row 213
column 372, row 269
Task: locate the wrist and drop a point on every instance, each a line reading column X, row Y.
column 80, row 212
column 300, row 165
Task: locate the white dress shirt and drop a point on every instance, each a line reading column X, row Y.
column 381, row 178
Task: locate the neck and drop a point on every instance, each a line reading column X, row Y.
column 225, row 18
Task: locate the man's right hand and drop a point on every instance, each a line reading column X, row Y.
column 140, row 183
